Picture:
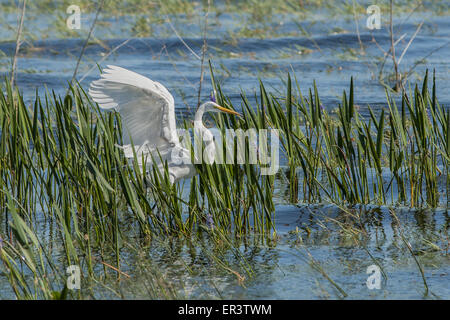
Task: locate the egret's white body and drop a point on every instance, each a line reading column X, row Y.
column 147, row 110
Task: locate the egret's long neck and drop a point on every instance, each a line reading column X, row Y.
column 203, row 136
column 198, row 120
column 199, row 114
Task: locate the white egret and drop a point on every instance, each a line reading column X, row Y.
column 147, row 110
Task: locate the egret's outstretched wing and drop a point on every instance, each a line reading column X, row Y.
column 146, row 108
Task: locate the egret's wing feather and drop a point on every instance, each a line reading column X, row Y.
column 146, row 108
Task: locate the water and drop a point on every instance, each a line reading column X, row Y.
column 284, row 271
column 330, row 56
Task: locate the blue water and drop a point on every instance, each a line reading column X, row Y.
column 330, row 56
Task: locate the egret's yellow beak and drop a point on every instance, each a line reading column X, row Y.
column 229, row 111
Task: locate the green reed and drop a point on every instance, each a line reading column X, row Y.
column 401, row 153
column 59, row 162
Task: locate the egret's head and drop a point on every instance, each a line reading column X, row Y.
column 211, row 106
